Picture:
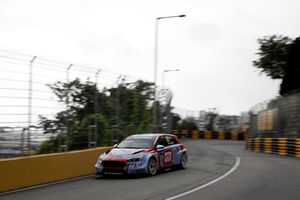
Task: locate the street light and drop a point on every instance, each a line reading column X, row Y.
column 119, row 82
column 67, row 102
column 163, row 75
column 96, row 108
column 30, row 101
column 155, row 67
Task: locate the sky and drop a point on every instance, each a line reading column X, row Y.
column 213, row 46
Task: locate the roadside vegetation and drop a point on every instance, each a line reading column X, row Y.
column 279, row 58
column 116, row 112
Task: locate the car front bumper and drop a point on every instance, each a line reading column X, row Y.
column 128, row 168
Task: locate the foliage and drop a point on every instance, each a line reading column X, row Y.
column 224, row 123
column 273, row 55
column 121, row 111
column 279, row 58
column 176, row 121
column 49, row 146
column 188, row 124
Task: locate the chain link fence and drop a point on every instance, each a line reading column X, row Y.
column 25, row 95
column 278, row 117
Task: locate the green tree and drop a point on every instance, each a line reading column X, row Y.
column 279, row 58
column 188, row 124
column 133, row 103
column 49, row 146
column 224, row 123
column 128, row 106
column 176, row 121
column 273, row 55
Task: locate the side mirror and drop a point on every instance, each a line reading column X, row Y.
column 160, row 146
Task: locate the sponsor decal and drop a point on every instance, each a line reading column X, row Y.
column 168, row 157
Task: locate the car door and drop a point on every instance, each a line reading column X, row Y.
column 163, row 152
column 166, row 155
column 172, row 149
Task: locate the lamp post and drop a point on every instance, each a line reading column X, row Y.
column 66, row 143
column 119, row 82
column 96, row 108
column 155, row 67
column 30, row 103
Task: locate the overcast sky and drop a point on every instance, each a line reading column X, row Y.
column 213, row 46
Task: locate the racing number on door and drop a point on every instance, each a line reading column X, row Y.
column 168, row 157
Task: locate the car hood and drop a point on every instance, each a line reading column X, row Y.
column 116, row 153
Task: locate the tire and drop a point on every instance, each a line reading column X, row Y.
column 152, row 167
column 183, row 161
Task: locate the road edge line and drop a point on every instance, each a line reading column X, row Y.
column 235, row 166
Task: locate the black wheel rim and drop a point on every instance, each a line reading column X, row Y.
column 152, row 167
column 183, row 160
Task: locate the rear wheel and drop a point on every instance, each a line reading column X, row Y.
column 183, row 161
column 152, row 167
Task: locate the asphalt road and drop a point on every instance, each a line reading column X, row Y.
column 258, row 176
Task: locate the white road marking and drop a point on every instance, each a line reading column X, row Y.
column 235, row 166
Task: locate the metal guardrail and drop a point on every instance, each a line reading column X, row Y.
column 279, row 146
column 195, row 134
column 41, row 169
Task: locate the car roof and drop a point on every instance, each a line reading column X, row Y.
column 149, row 135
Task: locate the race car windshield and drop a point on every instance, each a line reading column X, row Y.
column 136, row 143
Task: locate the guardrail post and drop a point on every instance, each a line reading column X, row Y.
column 221, row 135
column 207, row 135
column 195, row 134
column 234, row 136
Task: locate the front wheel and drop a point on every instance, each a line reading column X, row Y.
column 152, row 167
column 183, row 161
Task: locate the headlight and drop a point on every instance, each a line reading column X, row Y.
column 136, row 158
column 136, row 161
column 100, row 158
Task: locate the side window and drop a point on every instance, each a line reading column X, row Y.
column 162, row 141
column 171, row 140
